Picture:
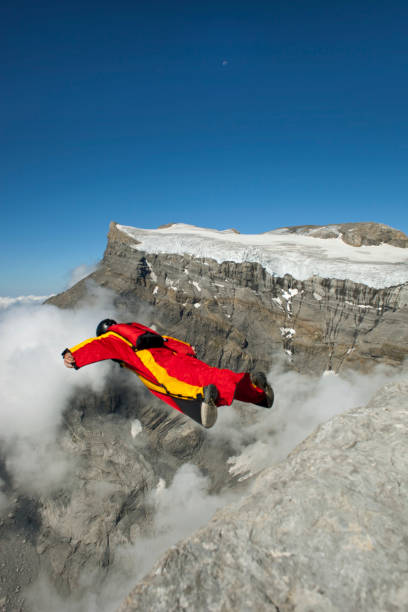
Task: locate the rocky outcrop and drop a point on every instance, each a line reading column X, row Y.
column 324, row 530
column 356, row 234
column 239, row 316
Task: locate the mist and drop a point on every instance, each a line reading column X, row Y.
column 178, row 509
column 302, row 403
column 80, row 272
column 36, row 389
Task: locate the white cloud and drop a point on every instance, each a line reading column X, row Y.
column 80, row 272
column 35, row 387
column 22, row 300
column 302, row 403
column 178, row 509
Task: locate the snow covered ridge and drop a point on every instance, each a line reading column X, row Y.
column 302, row 256
column 7, row 302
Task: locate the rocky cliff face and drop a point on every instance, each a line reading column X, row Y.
column 324, row 530
column 239, row 316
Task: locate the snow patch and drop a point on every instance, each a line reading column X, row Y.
column 135, row 428
column 301, row 256
column 287, row 332
column 171, row 284
column 289, row 294
column 364, row 306
column 152, row 274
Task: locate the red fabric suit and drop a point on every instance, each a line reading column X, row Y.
column 172, row 371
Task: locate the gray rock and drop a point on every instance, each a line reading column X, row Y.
column 19, row 560
column 326, row 530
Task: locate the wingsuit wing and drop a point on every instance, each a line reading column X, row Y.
column 142, row 363
column 179, row 347
column 189, row 407
column 106, row 346
column 171, row 373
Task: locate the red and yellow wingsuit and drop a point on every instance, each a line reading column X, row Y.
column 171, row 371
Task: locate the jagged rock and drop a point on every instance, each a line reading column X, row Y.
column 324, row 530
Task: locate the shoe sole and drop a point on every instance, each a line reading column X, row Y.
column 260, row 381
column 209, row 414
column 270, row 396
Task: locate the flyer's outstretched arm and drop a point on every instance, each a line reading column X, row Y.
column 107, row 346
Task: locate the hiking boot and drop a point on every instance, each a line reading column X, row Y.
column 259, row 380
column 209, row 410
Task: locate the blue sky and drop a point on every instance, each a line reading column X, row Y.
column 251, row 115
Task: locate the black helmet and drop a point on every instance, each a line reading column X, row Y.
column 104, row 326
